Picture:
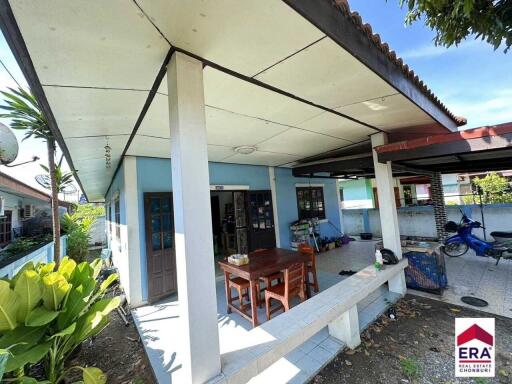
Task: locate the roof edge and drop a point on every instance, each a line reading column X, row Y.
column 14, row 38
column 474, row 133
column 348, row 30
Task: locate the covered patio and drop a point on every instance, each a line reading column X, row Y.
column 158, row 103
column 158, row 323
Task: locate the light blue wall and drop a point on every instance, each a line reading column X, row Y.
column 287, row 204
column 360, row 189
column 119, row 250
column 154, row 175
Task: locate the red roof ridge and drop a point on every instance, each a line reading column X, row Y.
column 474, row 133
column 366, row 28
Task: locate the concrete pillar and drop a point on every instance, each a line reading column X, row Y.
column 273, row 190
column 346, row 328
column 131, row 231
column 437, row 194
column 198, row 349
column 387, row 210
column 387, row 204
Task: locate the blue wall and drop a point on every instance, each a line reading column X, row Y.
column 154, row 175
column 287, row 204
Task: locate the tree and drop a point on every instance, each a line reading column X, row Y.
column 495, row 189
column 455, row 20
column 63, row 179
column 26, row 114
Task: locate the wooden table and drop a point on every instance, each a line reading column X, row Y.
column 261, row 263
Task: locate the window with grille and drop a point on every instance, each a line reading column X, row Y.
column 6, row 228
column 261, row 210
column 117, row 218
column 310, row 202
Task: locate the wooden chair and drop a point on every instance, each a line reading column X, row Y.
column 293, row 286
column 310, row 266
column 240, row 285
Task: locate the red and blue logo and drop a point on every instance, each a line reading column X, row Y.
column 474, row 347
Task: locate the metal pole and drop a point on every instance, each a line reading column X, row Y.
column 482, row 213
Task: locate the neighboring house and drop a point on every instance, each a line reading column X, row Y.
column 24, row 211
column 409, row 191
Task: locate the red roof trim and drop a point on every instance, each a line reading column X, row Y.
column 476, row 133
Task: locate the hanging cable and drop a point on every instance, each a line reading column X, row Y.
column 10, row 74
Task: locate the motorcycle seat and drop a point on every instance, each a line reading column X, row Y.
column 505, row 235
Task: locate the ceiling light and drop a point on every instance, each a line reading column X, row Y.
column 244, row 149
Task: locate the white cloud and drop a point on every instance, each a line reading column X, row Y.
column 491, row 110
column 431, row 50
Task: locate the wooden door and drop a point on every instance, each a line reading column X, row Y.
column 397, row 197
column 261, row 220
column 160, row 251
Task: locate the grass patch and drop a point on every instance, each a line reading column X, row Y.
column 410, row 368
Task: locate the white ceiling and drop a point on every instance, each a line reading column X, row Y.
column 98, row 60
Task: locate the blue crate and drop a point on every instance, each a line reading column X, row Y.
column 426, row 271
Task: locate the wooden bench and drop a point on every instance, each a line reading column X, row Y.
column 336, row 308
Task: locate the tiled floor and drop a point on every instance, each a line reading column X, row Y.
column 467, row 275
column 158, row 326
column 471, row 275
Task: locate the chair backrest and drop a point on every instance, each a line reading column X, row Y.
column 293, row 279
column 308, row 250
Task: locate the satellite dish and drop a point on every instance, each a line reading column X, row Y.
column 8, row 145
column 44, row 181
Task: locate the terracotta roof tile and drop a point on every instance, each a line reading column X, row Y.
column 366, row 28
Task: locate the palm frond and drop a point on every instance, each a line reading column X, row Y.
column 25, row 113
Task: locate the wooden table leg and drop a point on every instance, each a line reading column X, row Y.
column 254, row 305
column 228, row 291
column 306, row 276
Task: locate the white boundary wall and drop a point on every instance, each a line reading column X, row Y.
column 419, row 221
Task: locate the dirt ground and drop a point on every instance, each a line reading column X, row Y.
column 418, row 347
column 117, row 351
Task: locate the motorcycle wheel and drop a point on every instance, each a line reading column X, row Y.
column 455, row 249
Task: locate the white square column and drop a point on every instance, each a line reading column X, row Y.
column 198, row 349
column 387, row 210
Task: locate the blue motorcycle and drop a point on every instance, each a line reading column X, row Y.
column 457, row 245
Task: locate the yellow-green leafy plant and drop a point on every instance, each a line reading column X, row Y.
column 46, row 313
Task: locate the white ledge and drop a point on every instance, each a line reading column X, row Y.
column 272, row 340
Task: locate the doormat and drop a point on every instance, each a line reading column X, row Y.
column 474, row 301
column 347, row 273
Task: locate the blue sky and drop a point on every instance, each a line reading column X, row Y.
column 473, row 80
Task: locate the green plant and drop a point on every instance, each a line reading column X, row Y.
column 495, row 189
column 410, row 368
column 455, row 20
column 63, row 179
column 21, row 245
column 78, row 227
column 45, row 314
column 26, row 114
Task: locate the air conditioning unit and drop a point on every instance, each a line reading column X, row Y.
column 28, row 211
column 2, row 206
